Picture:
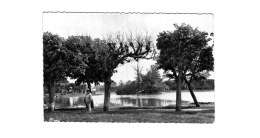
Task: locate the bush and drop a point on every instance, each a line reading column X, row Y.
column 128, row 88
column 150, row 89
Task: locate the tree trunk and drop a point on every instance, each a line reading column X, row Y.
column 51, row 96
column 138, row 84
column 107, row 95
column 89, row 86
column 178, row 93
column 192, row 93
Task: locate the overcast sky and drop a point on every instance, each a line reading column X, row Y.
column 97, row 25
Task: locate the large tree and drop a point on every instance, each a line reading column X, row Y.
column 117, row 50
column 59, row 62
column 184, row 56
column 54, row 68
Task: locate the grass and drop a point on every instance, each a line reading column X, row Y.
column 134, row 115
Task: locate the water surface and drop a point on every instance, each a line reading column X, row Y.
column 153, row 100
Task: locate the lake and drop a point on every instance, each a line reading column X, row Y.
column 153, row 100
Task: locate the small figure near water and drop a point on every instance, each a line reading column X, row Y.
column 89, row 100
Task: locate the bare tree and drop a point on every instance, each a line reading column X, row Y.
column 120, row 49
column 138, row 72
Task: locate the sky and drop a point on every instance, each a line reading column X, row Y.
column 98, row 25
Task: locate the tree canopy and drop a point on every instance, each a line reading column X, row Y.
column 187, row 46
column 54, row 55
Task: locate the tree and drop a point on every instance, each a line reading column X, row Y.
column 54, row 67
column 152, row 81
column 83, row 47
column 114, row 51
column 198, row 68
column 60, row 61
column 121, row 83
column 138, row 72
column 184, row 55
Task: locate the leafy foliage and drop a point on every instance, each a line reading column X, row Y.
column 129, row 88
column 187, row 46
column 54, row 55
column 63, row 58
column 152, row 82
column 87, row 69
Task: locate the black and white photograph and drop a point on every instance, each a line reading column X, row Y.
column 128, row 67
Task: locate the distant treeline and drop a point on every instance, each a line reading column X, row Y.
column 130, row 87
column 196, row 85
column 152, row 82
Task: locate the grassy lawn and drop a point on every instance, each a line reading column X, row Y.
column 204, row 114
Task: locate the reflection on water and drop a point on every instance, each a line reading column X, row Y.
column 142, row 102
column 75, row 102
column 69, row 102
